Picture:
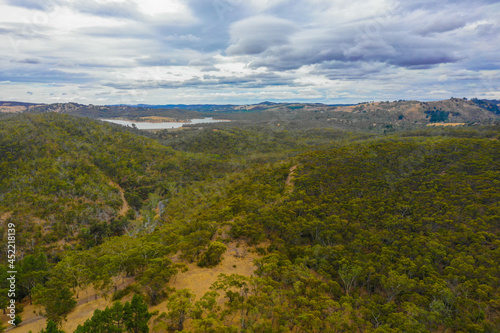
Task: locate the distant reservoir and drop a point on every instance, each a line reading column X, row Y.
column 162, row 125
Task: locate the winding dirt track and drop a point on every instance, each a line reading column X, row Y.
column 289, row 180
column 125, row 206
column 240, row 262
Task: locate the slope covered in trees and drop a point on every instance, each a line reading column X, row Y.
column 63, row 177
column 356, row 232
column 393, row 235
column 407, row 228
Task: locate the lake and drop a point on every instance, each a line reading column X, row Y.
column 165, row 125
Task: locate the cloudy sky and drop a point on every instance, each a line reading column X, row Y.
column 248, row 51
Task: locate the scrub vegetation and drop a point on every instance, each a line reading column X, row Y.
column 350, row 229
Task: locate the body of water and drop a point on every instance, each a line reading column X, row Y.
column 166, row 125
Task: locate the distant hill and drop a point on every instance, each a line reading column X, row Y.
column 490, row 105
column 17, row 104
column 371, row 116
column 493, row 101
column 228, row 107
column 115, row 111
column 14, row 107
column 453, row 110
column 191, row 107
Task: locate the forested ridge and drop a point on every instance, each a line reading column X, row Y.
column 356, row 232
column 66, row 172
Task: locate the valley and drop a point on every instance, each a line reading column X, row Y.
column 279, row 220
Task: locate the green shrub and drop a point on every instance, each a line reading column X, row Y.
column 213, row 255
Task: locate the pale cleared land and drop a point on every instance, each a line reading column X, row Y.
column 238, row 259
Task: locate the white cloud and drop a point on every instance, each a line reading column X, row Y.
column 235, row 51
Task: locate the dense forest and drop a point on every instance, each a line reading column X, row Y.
column 350, row 231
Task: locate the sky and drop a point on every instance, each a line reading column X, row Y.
column 247, row 51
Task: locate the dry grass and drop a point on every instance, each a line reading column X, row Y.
column 31, row 321
column 446, row 124
column 12, row 109
column 4, row 216
column 238, row 259
column 125, row 206
column 158, row 119
column 85, row 308
column 289, row 184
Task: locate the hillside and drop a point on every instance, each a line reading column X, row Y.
column 15, row 107
column 395, row 235
column 73, row 180
column 377, row 117
column 115, row 111
column 65, row 178
column 413, row 112
column 347, row 231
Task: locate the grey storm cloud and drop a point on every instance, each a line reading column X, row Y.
column 129, row 30
column 27, row 61
column 182, row 57
column 391, row 43
column 257, row 34
column 43, row 76
column 336, row 70
column 213, row 81
column 442, row 24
